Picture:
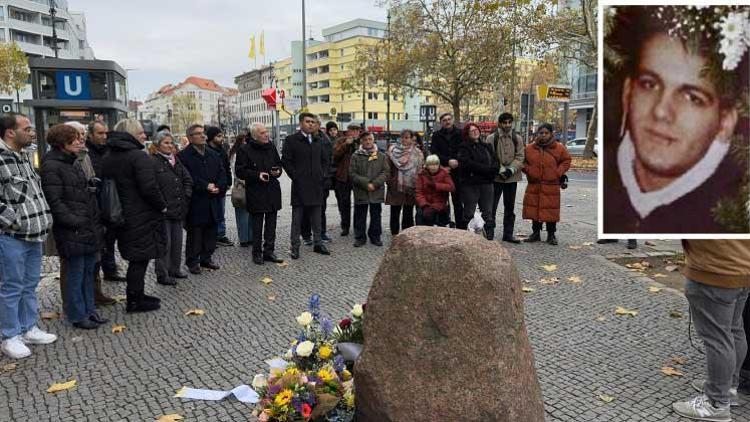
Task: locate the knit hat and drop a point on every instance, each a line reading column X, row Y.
column 432, row 159
column 329, row 125
column 212, row 131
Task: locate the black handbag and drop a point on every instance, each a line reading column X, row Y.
column 110, row 205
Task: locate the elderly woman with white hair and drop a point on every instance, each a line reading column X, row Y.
column 143, row 236
column 177, row 187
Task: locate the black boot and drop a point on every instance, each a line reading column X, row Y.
column 258, row 258
column 139, row 303
column 551, row 239
column 489, row 232
column 535, row 237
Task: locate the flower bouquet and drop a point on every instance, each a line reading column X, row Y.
column 315, row 345
column 349, row 334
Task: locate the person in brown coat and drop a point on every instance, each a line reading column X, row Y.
column 546, row 163
column 342, row 158
column 405, row 160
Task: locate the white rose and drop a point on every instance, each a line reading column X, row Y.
column 305, row 348
column 357, row 310
column 260, row 381
column 289, row 355
column 304, row 319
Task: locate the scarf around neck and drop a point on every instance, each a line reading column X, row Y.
column 408, row 162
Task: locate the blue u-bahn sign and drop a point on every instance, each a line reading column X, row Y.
column 73, row 85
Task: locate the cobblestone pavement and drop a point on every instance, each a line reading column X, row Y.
column 133, row 375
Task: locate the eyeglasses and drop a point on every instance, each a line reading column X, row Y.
column 474, row 130
column 196, row 134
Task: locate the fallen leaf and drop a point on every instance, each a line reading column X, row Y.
column 649, row 243
column 50, row 315
column 654, row 289
column 575, row 247
column 267, row 280
column 574, row 279
column 669, row 371
column 622, row 311
column 76, row 339
column 120, row 298
column 172, row 417
column 588, row 243
column 671, row 268
column 606, row 399
column 54, row 388
column 195, row 312
column 282, row 264
column 548, row 281
column 659, row 275
column 118, row 329
column 179, row 392
column 600, row 318
column 9, row 367
column 549, row 268
column 675, row 314
column 679, row 360
column 272, row 297
column 638, row 266
column 527, row 289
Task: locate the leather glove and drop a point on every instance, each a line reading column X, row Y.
column 563, row 181
column 507, row 173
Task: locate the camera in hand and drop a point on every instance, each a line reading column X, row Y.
column 564, row 181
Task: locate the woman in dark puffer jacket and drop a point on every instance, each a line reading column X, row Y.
column 77, row 230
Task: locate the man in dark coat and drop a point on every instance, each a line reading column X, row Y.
column 205, row 213
column 177, row 187
column 327, row 186
column 343, row 149
column 96, row 144
column 142, row 237
column 215, row 141
column 444, row 144
column 306, row 164
column 259, row 165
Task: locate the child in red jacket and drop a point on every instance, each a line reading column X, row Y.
column 434, row 183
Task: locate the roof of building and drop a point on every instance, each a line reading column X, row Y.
column 198, row 82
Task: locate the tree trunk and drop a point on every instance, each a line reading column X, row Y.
column 456, row 111
column 18, row 102
column 588, row 151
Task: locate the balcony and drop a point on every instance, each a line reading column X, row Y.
column 36, row 28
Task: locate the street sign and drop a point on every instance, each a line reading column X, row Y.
column 269, row 95
column 427, row 113
column 280, row 93
column 73, row 85
column 555, row 93
column 344, row 117
column 292, row 104
column 527, row 105
column 333, row 111
column 6, row 106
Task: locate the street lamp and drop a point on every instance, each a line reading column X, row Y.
column 52, row 13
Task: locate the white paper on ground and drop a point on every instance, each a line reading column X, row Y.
column 243, row 393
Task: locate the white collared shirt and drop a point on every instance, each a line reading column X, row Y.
column 646, row 202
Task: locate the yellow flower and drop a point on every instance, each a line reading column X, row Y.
column 325, row 375
column 291, row 371
column 349, row 398
column 325, row 352
column 283, row 398
column 346, row 375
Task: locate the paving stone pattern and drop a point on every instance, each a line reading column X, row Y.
column 132, row 376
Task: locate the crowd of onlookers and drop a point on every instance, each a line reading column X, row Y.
column 106, row 190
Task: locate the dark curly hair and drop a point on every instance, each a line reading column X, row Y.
column 61, row 135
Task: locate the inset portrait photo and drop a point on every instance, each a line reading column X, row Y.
column 675, row 113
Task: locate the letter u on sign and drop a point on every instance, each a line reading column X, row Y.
column 72, row 85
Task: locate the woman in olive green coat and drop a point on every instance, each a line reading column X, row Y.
column 368, row 170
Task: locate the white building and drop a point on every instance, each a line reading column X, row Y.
column 210, row 97
column 29, row 24
column 252, row 107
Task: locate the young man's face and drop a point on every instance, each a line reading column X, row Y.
column 506, row 125
column 673, row 113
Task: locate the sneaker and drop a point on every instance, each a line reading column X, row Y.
column 307, row 241
column 224, row 241
column 325, row 237
column 733, row 399
column 37, row 336
column 701, row 409
column 14, row 348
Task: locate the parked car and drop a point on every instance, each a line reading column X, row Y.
column 576, row 146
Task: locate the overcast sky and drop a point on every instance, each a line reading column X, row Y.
column 168, row 40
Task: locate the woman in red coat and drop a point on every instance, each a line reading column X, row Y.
column 546, row 163
column 434, row 183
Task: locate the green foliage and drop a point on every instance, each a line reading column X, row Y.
column 14, row 68
column 184, row 112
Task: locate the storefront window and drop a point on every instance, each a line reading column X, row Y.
column 121, row 91
column 98, row 85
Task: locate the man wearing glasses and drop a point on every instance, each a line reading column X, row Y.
column 445, row 144
column 209, row 183
column 25, row 221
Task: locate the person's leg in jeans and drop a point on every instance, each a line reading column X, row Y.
column 395, row 222
column 470, row 197
column 63, row 263
column 12, row 285
column 136, row 280
column 269, row 233
column 244, row 228
column 713, row 310
column 408, row 217
column 28, row 307
column 208, row 244
column 740, row 339
column 485, row 201
column 89, row 266
column 509, row 204
column 315, row 224
column 75, row 309
column 360, row 221
column 376, row 225
column 221, row 228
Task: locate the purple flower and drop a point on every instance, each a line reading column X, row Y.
column 273, row 390
column 327, row 326
column 297, row 404
column 338, row 363
column 314, row 304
